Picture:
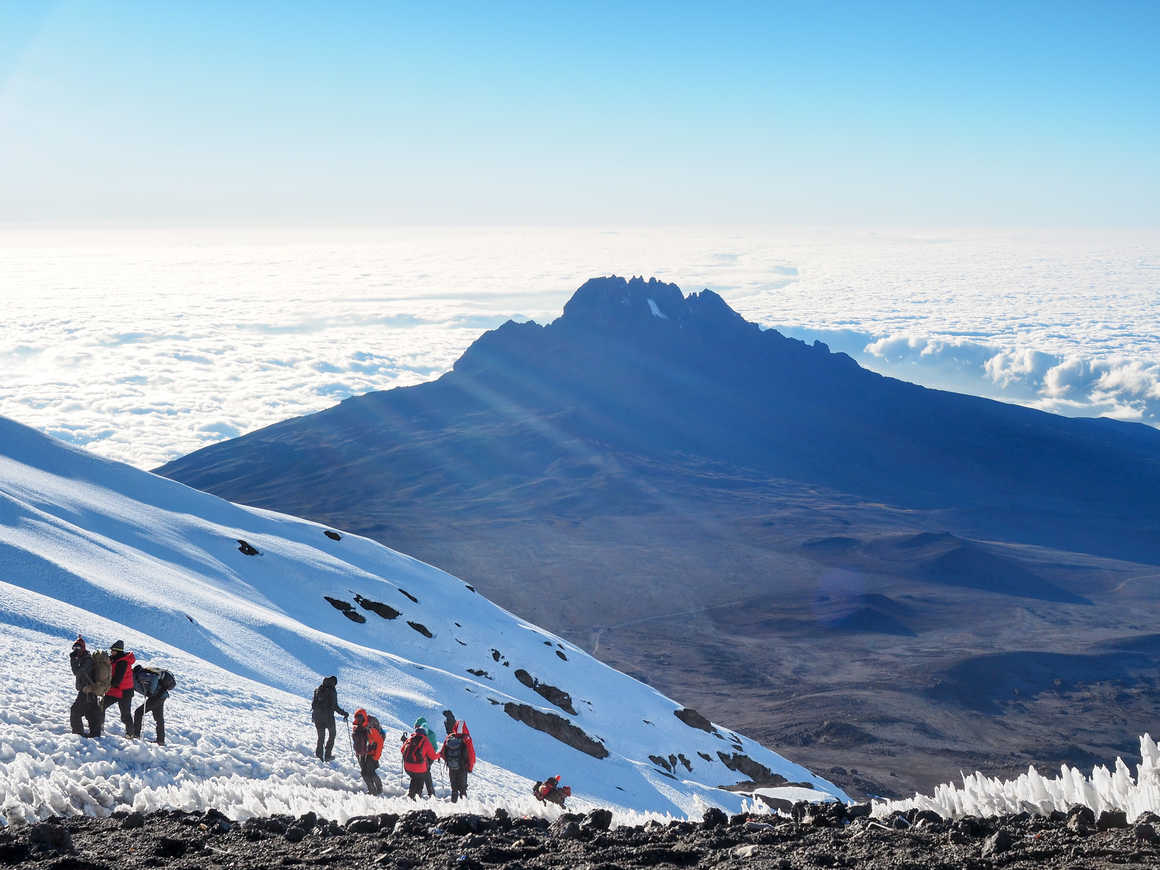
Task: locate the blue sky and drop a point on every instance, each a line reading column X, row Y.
column 1024, row 114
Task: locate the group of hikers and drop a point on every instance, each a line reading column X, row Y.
column 114, row 677
column 417, row 749
column 107, row 678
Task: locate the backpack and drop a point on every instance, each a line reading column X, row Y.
column 413, row 748
column 102, row 673
column 152, row 681
column 453, row 751
column 361, row 740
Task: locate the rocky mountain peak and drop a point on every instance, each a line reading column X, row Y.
column 612, row 301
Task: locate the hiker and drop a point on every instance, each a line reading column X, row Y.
column 322, row 710
column 421, row 724
column 154, row 686
column 87, row 705
column 551, row 791
column 121, row 684
column 418, row 753
column 367, row 740
column 458, row 753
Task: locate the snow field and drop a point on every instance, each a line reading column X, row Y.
column 1031, row 792
column 98, row 548
column 251, row 760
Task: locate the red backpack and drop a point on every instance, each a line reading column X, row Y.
column 413, row 748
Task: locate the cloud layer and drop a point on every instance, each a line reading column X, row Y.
column 145, row 345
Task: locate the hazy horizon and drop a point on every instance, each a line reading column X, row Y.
column 146, row 345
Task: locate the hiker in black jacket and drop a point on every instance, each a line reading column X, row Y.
column 86, row 706
column 322, row 710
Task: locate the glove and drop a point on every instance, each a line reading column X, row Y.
column 345, row 717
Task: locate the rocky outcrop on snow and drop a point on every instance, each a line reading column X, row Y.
column 558, row 727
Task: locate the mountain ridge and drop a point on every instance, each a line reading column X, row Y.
column 629, row 478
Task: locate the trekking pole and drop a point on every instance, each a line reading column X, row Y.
column 349, row 740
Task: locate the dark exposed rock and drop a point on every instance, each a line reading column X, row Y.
column 171, row 847
column 14, row 853
column 51, row 837
column 383, row 610
column 421, row 628
column 246, row 548
column 549, row 693
column 556, row 726
column 560, row 654
column 694, row 719
column 409, row 595
column 346, row 608
column 133, row 820
column 597, row 820
column 998, row 843
column 661, row 762
column 1145, row 833
column 362, row 825
column 755, row 770
column 334, row 536
column 1110, row 819
column 423, row 840
column 714, row 818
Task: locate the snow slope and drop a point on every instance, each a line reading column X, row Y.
column 97, row 547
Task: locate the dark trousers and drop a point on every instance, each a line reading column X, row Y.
column 417, row 781
column 325, row 747
column 429, row 782
column 367, row 767
column 86, row 707
column 458, row 783
column 125, row 702
column 156, row 706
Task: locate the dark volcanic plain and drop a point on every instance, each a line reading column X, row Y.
column 185, row 841
column 887, row 583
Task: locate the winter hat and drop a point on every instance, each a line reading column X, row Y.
column 118, row 646
column 79, row 643
column 421, row 723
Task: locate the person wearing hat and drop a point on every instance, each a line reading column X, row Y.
column 121, row 688
column 86, row 707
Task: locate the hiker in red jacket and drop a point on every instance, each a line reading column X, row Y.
column 418, row 753
column 551, row 791
column 121, row 689
column 458, row 753
column 367, row 740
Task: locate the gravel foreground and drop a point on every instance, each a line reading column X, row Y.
column 815, row 836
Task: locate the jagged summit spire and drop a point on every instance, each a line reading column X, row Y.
column 613, row 303
column 612, row 298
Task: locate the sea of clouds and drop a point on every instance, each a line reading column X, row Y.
column 144, row 345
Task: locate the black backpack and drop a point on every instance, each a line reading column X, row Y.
column 453, row 751
column 152, row 681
